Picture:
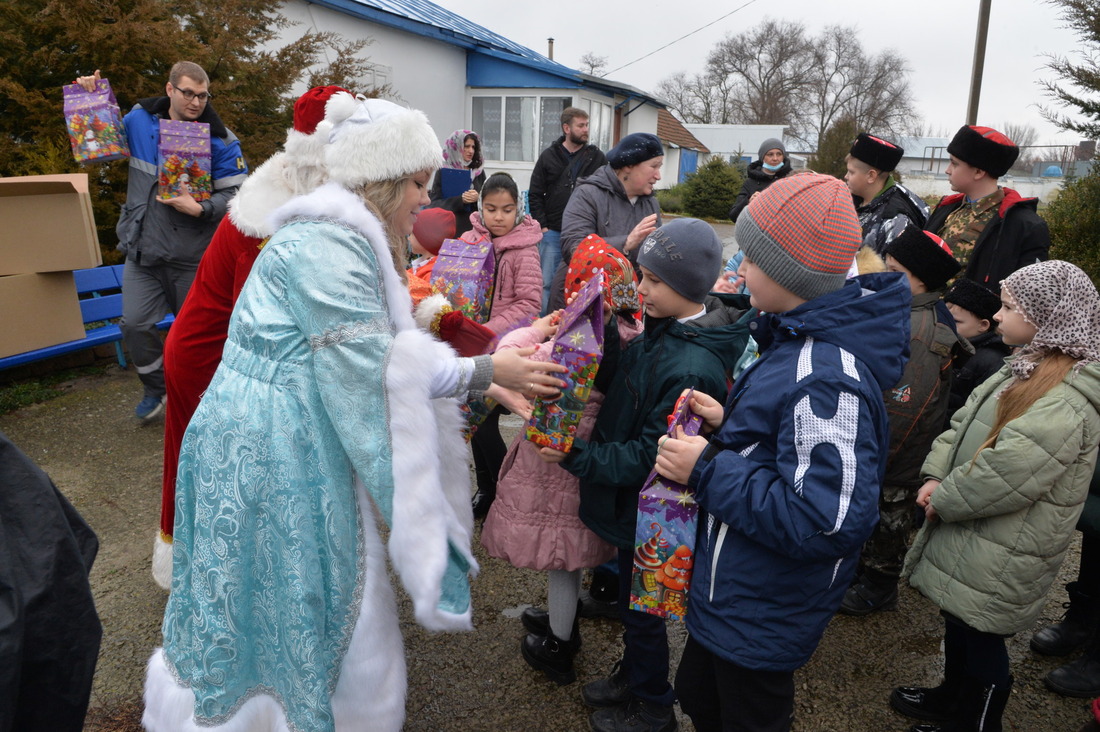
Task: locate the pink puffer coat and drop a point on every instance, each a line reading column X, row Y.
column 533, row 522
column 517, row 288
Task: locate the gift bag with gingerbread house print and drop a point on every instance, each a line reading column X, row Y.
column 664, row 537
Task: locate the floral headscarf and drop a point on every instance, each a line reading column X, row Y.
column 452, row 152
column 594, row 255
column 1061, row 302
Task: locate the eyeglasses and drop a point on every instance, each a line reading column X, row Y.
column 189, row 95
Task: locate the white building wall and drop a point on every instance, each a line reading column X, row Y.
column 425, row 74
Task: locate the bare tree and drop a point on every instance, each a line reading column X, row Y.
column 761, row 74
column 776, row 73
column 693, row 99
column 593, row 64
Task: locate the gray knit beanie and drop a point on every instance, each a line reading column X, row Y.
column 685, row 253
column 772, row 143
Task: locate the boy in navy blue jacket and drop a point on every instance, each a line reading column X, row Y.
column 790, row 477
column 691, row 339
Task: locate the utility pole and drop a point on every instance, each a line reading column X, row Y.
column 979, row 63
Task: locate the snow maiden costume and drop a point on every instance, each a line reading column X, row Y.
column 194, row 345
column 281, row 615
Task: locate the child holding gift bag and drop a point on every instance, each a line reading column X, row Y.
column 534, row 523
column 1004, row 488
column 517, row 300
column 691, row 339
column 788, row 484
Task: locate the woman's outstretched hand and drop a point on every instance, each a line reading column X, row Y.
column 513, row 370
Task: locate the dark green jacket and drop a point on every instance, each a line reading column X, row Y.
column 645, row 381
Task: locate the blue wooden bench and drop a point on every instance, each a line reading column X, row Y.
column 100, row 292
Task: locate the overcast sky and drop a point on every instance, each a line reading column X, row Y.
column 935, row 36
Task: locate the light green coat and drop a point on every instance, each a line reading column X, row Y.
column 1006, row 518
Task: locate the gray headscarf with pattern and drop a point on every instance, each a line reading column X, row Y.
column 1061, row 302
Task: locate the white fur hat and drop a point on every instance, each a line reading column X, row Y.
column 375, row 140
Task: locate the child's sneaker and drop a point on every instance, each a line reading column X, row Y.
column 149, row 408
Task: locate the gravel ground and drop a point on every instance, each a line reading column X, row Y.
column 109, row 467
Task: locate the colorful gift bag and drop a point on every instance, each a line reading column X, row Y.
column 183, row 158
column 94, row 123
column 664, row 538
column 464, row 273
column 578, row 346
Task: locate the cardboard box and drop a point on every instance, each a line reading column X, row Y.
column 48, row 225
column 38, row 310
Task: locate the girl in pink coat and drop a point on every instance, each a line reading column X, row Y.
column 533, row 523
column 517, row 300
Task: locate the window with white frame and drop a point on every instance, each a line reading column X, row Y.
column 517, row 127
column 600, row 122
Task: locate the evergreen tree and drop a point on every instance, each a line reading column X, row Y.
column 833, row 147
column 709, row 192
column 45, row 45
column 1078, row 87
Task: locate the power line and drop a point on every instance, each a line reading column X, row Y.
column 703, row 27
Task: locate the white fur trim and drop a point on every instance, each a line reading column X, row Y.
column 431, row 502
column 426, row 491
column 339, row 107
column 379, row 141
column 372, row 676
column 427, row 309
column 162, row 562
column 262, row 193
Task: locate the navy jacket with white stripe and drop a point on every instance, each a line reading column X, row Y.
column 789, row 486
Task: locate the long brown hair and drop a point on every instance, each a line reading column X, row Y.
column 1022, row 393
column 384, row 199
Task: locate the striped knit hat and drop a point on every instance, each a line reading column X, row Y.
column 802, row 231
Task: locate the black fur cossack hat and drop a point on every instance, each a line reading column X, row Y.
column 876, row 152
column 969, row 295
column 985, row 149
column 926, row 255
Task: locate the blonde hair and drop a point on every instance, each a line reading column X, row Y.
column 384, row 198
column 1021, row 394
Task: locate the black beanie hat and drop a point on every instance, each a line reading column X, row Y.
column 634, row 149
column 926, row 255
column 876, row 152
column 985, row 149
column 969, row 295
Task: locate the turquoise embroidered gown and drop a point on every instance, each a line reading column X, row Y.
column 269, row 565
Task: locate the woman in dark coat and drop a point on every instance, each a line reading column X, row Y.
column 772, row 165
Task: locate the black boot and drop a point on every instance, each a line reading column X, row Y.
column 980, row 710
column 1073, row 631
column 609, row 692
column 636, row 715
column 537, row 621
column 602, row 598
column 936, row 703
column 486, row 494
column 870, row 594
column 551, row 655
column 932, row 704
column 1079, row 678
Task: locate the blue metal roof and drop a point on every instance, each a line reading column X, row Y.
column 431, row 21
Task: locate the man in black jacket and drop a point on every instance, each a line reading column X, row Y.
column 992, row 230
column 559, row 167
